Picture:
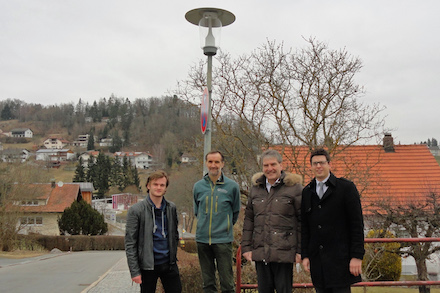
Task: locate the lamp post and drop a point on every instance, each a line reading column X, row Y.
column 210, row 22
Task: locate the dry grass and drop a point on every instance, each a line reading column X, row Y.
column 390, row 290
column 18, row 254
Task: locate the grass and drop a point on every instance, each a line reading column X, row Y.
column 390, row 290
column 18, row 254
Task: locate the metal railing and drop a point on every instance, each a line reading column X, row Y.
column 241, row 286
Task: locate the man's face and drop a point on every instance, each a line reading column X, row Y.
column 157, row 187
column 272, row 169
column 320, row 167
column 215, row 164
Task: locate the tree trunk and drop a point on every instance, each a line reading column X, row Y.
column 422, row 274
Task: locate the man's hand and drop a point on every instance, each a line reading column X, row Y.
column 306, row 264
column 137, row 279
column 298, row 258
column 356, row 266
column 248, row 255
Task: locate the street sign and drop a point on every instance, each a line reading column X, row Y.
column 204, row 110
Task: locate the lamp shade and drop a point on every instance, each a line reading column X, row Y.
column 210, row 22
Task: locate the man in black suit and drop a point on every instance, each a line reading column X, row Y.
column 332, row 228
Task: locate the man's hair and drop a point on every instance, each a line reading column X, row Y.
column 271, row 154
column 320, row 152
column 157, row 175
column 215, row 152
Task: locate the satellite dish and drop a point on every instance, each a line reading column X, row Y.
column 60, row 183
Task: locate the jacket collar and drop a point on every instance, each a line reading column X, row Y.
column 331, row 181
column 162, row 204
column 220, row 180
column 262, row 179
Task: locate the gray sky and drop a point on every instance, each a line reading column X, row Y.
column 54, row 52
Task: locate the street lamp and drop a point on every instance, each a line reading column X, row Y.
column 210, row 22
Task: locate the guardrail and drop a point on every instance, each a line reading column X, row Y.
column 239, row 286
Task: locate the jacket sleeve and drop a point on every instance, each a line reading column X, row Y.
column 356, row 222
column 195, row 202
column 131, row 242
column 176, row 231
column 248, row 226
column 297, row 204
column 305, row 233
column 236, row 204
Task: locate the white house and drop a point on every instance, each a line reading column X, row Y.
column 186, row 158
column 141, row 160
column 14, row 155
column 55, row 143
column 87, row 156
column 55, row 155
column 82, row 140
column 106, row 142
column 22, row 132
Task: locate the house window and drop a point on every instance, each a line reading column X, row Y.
column 29, row 202
column 31, row 221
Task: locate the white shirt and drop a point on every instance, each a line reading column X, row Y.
column 268, row 185
column 325, row 187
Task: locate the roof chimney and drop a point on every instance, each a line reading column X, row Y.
column 388, row 143
column 52, row 183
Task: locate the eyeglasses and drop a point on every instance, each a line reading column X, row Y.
column 322, row 163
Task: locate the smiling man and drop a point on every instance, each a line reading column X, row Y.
column 332, row 228
column 216, row 206
column 151, row 239
column 272, row 224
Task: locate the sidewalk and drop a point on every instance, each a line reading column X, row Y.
column 117, row 280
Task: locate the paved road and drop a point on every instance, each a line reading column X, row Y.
column 76, row 272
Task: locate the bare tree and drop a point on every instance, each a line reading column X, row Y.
column 13, row 178
column 180, row 192
column 307, row 97
column 418, row 216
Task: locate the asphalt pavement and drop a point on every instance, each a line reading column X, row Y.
column 117, row 279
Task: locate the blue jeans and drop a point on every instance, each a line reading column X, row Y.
column 212, row 257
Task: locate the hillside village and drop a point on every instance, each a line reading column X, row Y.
column 376, row 169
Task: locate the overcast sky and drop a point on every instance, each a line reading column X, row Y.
column 54, row 52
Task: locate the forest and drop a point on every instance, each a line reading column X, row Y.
column 165, row 127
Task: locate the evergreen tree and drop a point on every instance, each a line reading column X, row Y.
column 91, row 142
column 116, row 174
column 80, row 173
column 126, row 167
column 6, row 113
column 81, row 219
column 102, row 175
column 116, row 143
column 136, row 179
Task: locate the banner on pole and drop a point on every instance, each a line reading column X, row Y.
column 204, row 111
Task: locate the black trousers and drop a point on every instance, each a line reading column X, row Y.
column 334, row 290
column 273, row 276
column 169, row 276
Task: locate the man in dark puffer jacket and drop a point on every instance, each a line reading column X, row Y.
column 272, row 224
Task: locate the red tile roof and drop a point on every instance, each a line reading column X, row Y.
column 406, row 175
column 57, row 198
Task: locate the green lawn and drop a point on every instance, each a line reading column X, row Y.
column 390, row 290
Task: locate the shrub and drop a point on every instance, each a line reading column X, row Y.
column 381, row 261
column 189, row 245
column 81, row 219
column 190, row 273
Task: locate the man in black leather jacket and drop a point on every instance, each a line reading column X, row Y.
column 151, row 239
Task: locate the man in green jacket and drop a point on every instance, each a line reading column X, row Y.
column 216, row 206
